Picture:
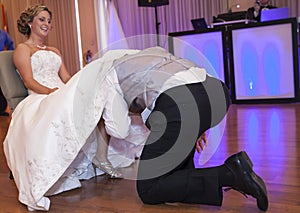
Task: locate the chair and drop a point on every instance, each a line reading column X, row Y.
column 11, row 83
column 3, row 104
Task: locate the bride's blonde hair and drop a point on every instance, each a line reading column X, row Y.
column 28, row 15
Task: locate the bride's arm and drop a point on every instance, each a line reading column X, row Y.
column 22, row 62
column 63, row 72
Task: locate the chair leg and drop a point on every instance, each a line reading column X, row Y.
column 11, row 175
column 4, row 114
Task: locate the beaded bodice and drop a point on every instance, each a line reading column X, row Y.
column 45, row 66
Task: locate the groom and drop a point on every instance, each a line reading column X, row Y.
column 182, row 103
column 166, row 170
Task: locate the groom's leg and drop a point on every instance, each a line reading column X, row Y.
column 171, row 142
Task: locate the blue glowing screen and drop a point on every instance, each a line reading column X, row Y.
column 263, row 62
column 204, row 49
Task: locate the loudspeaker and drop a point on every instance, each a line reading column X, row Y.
column 152, row 3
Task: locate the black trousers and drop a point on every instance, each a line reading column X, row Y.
column 166, row 170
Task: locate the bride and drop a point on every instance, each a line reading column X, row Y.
column 54, row 136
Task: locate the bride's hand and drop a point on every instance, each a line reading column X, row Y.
column 52, row 90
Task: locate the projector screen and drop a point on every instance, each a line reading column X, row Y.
column 264, row 62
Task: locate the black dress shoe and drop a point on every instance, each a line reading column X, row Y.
column 246, row 181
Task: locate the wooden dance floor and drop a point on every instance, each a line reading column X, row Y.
column 269, row 133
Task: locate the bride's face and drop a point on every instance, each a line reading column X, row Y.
column 41, row 24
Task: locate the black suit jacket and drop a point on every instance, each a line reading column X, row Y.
column 250, row 12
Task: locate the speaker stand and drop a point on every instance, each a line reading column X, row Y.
column 156, row 25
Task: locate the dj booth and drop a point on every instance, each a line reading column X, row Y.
column 257, row 61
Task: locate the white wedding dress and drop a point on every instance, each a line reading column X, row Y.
column 52, row 138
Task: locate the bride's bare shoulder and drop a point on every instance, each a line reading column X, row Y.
column 22, row 46
column 23, row 49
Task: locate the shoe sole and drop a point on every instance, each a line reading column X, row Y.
column 262, row 203
column 248, row 165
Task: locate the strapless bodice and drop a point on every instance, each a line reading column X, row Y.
column 45, row 66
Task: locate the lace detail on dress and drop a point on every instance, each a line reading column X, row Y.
column 45, row 66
